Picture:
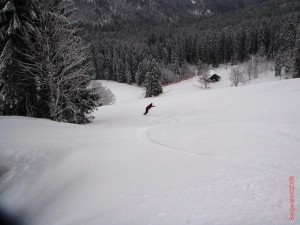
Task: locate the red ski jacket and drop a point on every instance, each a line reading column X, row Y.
column 150, row 106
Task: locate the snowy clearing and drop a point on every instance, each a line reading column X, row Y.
column 221, row 156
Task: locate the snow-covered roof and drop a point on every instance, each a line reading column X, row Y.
column 211, row 72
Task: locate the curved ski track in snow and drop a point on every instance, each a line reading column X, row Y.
column 164, row 124
column 175, row 121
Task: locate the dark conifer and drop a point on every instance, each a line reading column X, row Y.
column 152, row 84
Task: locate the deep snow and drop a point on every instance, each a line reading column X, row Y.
column 221, row 156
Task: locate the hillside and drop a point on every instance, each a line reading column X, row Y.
column 266, row 30
column 221, row 156
column 215, row 153
column 152, row 12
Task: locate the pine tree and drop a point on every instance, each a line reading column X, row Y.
column 252, row 68
column 152, row 84
column 255, row 67
column 128, row 74
column 278, row 65
column 262, row 39
column 141, row 73
column 262, row 51
column 199, row 67
column 297, row 54
column 240, row 48
column 286, row 50
column 61, row 65
column 176, row 69
column 107, row 74
column 17, row 89
column 98, row 61
column 118, row 71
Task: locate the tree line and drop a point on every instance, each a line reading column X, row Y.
column 124, row 56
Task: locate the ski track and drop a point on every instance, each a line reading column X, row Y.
column 174, row 121
column 162, row 123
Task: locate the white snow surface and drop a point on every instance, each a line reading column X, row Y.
column 221, row 156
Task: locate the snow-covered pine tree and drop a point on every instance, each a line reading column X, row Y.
column 199, row 67
column 128, row 74
column 176, row 68
column 152, row 84
column 278, row 65
column 106, row 74
column 61, row 65
column 252, row 68
column 286, row 49
column 98, row 62
column 118, row 73
column 134, row 67
column 107, row 97
column 141, row 72
column 240, row 45
column 297, row 54
column 17, row 89
column 255, row 67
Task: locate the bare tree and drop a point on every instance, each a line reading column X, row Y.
column 202, row 73
column 236, row 76
column 204, row 80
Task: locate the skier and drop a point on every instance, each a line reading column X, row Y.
column 148, row 108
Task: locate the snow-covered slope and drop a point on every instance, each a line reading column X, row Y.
column 221, row 156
